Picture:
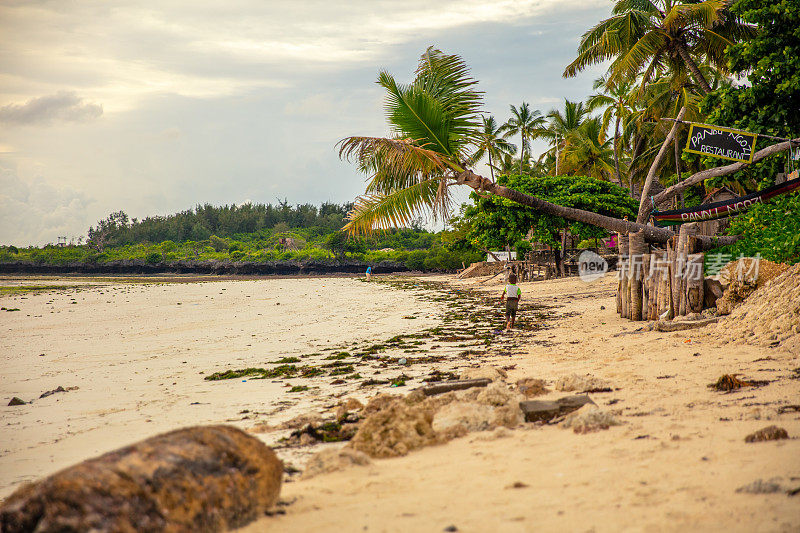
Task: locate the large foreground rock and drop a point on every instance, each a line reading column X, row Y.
column 205, row 478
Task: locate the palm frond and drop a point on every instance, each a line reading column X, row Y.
column 374, row 212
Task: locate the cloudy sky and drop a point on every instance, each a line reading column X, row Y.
column 153, row 107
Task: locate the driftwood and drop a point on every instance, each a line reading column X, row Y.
column 441, row 388
column 538, row 410
column 205, row 478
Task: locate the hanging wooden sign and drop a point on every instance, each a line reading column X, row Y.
column 725, row 143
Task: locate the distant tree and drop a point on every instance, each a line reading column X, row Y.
column 492, row 144
column 526, row 123
column 107, row 230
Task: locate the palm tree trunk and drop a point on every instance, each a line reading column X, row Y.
column 638, row 146
column 693, row 68
column 616, row 154
column 644, row 207
column 521, row 152
column 491, row 167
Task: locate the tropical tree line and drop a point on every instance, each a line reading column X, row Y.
column 669, row 62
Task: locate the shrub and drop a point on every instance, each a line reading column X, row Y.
column 771, row 230
column 219, row 245
column 153, row 258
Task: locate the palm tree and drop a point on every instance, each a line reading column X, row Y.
column 619, row 103
column 492, row 144
column 435, row 122
column 560, row 126
column 648, row 36
column 526, row 123
column 587, row 152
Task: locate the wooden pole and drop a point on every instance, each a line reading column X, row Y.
column 636, row 250
column 647, row 285
column 687, row 233
column 623, row 272
column 694, row 283
column 670, row 286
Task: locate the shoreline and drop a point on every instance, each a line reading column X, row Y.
column 678, row 461
column 221, row 268
column 132, row 375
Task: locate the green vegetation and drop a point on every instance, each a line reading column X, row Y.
column 771, row 230
column 317, row 237
column 497, row 221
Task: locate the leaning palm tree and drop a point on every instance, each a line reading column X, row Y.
column 435, row 125
column 648, row 36
column 491, row 144
column 526, row 124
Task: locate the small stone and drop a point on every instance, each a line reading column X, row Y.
column 16, row 401
column 768, row 433
column 333, row 460
column 530, row 387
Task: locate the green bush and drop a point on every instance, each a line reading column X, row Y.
column 219, row 245
column 172, row 256
column 771, row 230
column 522, row 247
column 153, row 258
column 416, row 260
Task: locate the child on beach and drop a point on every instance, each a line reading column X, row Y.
column 369, row 272
column 511, row 294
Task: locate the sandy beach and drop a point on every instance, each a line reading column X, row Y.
column 674, row 463
column 138, row 352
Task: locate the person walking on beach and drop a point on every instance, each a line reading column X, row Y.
column 369, row 272
column 511, row 294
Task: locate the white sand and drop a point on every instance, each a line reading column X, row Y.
column 136, row 352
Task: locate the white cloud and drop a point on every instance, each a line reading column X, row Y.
column 64, row 106
column 120, row 52
column 36, row 212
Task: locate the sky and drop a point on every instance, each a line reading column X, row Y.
column 154, row 107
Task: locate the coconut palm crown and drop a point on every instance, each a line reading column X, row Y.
column 645, row 36
column 435, row 126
